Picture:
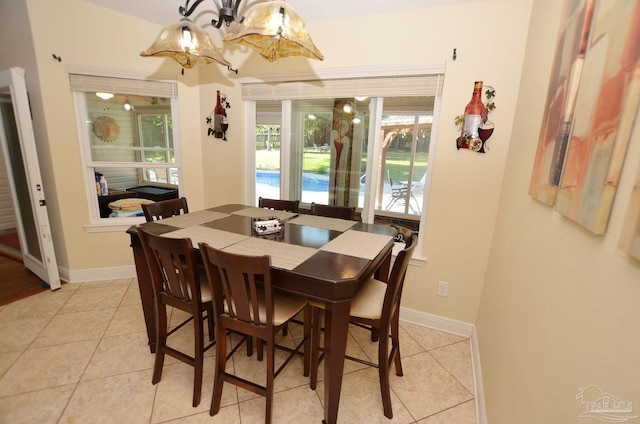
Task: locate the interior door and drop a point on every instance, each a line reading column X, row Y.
column 21, row 159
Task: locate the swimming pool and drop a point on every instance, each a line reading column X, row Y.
column 310, row 182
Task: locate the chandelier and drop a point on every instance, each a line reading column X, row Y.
column 272, row 28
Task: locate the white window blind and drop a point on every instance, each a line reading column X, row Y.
column 413, row 85
column 92, row 83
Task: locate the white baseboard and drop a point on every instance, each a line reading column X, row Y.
column 97, row 274
column 460, row 328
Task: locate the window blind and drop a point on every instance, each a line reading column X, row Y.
column 93, row 83
column 386, row 86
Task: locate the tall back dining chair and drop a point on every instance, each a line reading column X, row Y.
column 343, row 212
column 245, row 302
column 279, row 204
column 376, row 308
column 165, row 209
column 178, row 283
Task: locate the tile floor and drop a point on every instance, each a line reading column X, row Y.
column 80, row 355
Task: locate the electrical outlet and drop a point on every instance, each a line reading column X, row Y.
column 443, row 288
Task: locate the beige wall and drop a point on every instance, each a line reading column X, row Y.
column 489, row 37
column 560, row 305
column 466, row 185
column 89, row 37
column 554, row 305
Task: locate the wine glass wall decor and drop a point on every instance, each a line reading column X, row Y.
column 475, row 125
column 217, row 120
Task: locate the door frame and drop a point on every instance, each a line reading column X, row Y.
column 46, row 268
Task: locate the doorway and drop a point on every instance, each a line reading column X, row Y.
column 9, row 242
column 22, row 172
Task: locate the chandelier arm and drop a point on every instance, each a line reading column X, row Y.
column 218, row 23
column 236, row 16
column 186, row 11
column 228, row 13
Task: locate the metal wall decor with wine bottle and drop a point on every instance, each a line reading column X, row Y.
column 217, row 119
column 475, row 125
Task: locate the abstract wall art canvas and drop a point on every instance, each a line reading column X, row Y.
column 630, row 237
column 604, row 115
column 561, row 95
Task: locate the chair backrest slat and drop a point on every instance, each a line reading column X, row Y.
column 396, row 279
column 165, row 209
column 343, row 212
column 279, row 204
column 172, row 265
column 238, row 281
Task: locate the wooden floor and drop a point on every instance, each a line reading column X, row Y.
column 16, row 281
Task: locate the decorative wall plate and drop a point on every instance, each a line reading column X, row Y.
column 105, row 128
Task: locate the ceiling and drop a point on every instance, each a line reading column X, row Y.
column 164, row 12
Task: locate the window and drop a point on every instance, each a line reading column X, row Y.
column 267, row 149
column 405, row 151
column 364, row 142
column 155, row 132
column 128, row 140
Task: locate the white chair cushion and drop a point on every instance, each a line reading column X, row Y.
column 368, row 303
column 285, row 307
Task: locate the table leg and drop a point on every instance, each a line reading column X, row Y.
column 335, row 343
column 146, row 295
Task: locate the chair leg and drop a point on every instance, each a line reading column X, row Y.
column 315, row 347
column 383, row 372
column 211, row 323
column 375, row 334
column 221, row 362
column 395, row 340
column 391, row 203
column 307, row 340
column 161, row 342
column 270, row 380
column 260, row 349
column 198, row 359
column 249, row 343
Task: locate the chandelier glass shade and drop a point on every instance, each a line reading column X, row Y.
column 275, row 30
column 272, row 28
column 187, row 44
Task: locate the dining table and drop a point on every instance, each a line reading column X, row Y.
column 326, row 259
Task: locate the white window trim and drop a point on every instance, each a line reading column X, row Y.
column 357, row 75
column 96, row 224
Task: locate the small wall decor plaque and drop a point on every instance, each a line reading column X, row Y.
column 106, row 129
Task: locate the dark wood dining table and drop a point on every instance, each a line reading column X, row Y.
column 326, row 272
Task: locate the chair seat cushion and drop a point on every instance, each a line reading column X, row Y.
column 285, row 307
column 368, row 303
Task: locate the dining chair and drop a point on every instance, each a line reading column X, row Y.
column 377, row 309
column 165, row 209
column 279, row 204
column 399, row 191
column 245, row 302
column 178, row 283
column 343, row 212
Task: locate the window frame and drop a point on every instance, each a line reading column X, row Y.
column 164, row 111
column 94, row 82
column 365, row 80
